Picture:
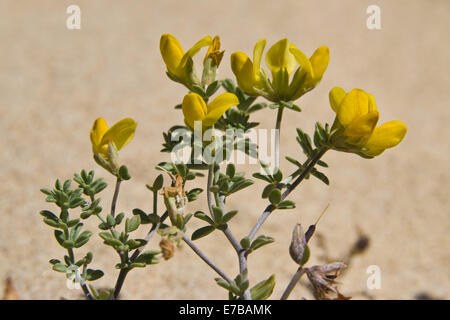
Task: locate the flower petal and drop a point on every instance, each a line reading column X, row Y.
column 171, row 51
column 372, row 103
column 363, row 126
column 279, row 57
column 194, row 109
column 319, row 62
column 206, row 41
column 336, row 96
column 302, row 60
column 218, row 106
column 354, row 105
column 120, row 133
column 386, row 136
column 213, row 47
column 98, row 130
column 257, row 55
column 242, row 68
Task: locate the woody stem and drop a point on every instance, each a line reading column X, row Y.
column 220, row 202
column 292, row 283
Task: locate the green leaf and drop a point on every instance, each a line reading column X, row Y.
column 132, row 224
column 60, row 267
column 148, row 257
column 261, row 241
column 136, row 243
column 60, row 237
column 212, row 88
column 54, row 261
column 123, row 173
column 286, row 204
column 49, row 215
column 73, row 222
column 106, row 235
column 158, row 183
column 275, row 196
column 229, row 215
column 47, row 192
column 319, row 175
column 192, row 195
column 68, row 244
column 110, row 220
column 202, row 216
column 278, row 176
column 102, row 294
column 229, row 85
column 137, row 265
column 231, row 170
column 83, row 238
column 264, row 177
column 52, row 223
column 202, row 232
column 92, row 275
column 231, row 287
column 240, row 185
column 118, row 219
column 263, row 290
column 199, row 90
column 256, row 107
column 267, row 190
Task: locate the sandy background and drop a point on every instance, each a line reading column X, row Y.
column 54, row 82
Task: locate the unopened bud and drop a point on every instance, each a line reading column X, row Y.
column 298, row 249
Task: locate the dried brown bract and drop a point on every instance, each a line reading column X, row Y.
column 323, row 280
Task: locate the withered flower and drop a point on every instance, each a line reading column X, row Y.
column 323, row 280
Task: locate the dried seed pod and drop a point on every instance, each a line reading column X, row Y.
column 298, row 246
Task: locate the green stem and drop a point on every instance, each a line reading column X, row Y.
column 208, row 188
column 116, row 194
column 277, row 137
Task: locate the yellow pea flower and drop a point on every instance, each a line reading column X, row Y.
column 180, row 65
column 248, row 74
column 107, row 141
column 195, row 109
column 355, row 124
column 282, row 59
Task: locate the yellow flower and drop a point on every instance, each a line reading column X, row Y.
column 355, row 124
column 248, row 73
column 195, row 109
column 107, row 141
column 180, row 65
column 282, row 59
